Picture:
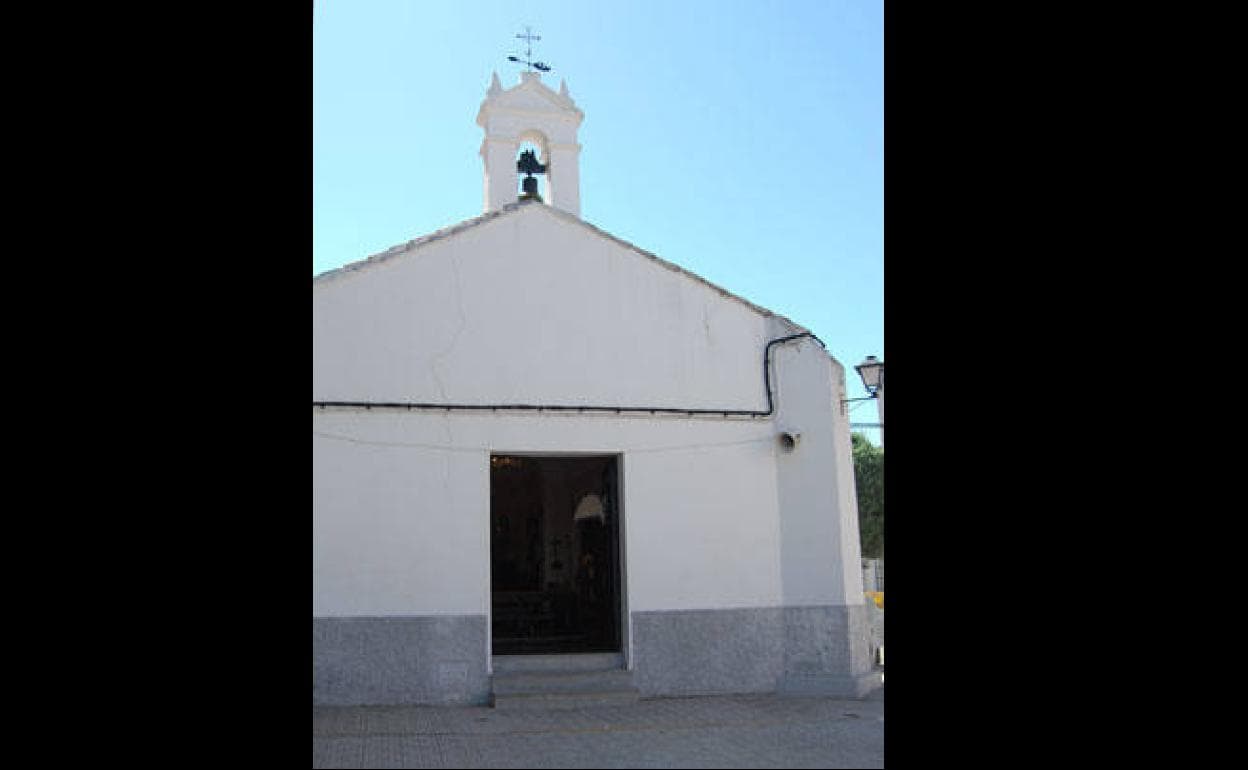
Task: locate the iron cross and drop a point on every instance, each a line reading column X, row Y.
column 528, row 37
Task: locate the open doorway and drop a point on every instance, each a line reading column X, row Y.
column 554, row 554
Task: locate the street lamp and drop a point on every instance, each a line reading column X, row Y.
column 872, row 373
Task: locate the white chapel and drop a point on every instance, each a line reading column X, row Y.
column 547, row 462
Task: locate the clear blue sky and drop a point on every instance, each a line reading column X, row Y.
column 743, row 141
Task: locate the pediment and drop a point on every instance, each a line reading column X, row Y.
column 531, row 96
column 532, row 305
column 574, row 225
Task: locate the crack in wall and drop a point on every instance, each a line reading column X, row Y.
column 437, row 358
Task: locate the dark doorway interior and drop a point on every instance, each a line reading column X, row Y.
column 554, row 554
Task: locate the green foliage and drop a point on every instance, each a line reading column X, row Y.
column 869, row 480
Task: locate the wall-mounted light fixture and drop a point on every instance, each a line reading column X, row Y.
column 871, row 371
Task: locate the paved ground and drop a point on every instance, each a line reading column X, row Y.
column 738, row 731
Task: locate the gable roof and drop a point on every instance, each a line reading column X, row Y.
column 468, row 224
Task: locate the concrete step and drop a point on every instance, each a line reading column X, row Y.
column 597, row 661
column 563, row 701
column 561, row 682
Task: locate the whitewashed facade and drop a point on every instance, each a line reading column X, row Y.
column 739, row 563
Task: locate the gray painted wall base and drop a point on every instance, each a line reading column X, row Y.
column 800, row 650
column 702, row 652
column 437, row 660
column 831, row 685
column 827, row 651
column 441, row 660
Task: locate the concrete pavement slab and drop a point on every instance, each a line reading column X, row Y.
column 722, row 731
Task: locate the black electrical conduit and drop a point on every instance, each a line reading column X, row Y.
column 617, row 409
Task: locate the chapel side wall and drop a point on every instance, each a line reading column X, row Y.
column 826, row 627
column 812, row 638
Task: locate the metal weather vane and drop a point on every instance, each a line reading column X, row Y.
column 528, row 37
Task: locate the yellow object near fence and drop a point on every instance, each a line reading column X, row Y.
column 877, row 597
